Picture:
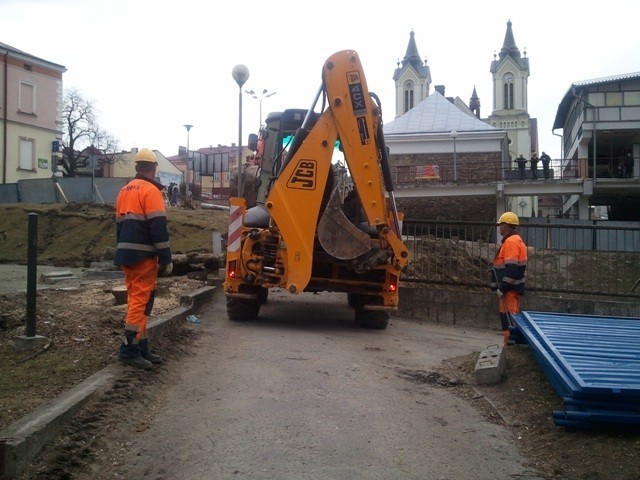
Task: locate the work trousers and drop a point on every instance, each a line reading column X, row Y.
column 510, row 302
column 140, row 280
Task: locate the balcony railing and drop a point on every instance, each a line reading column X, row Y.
column 481, row 172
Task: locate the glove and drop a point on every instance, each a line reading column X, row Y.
column 165, row 270
column 500, row 293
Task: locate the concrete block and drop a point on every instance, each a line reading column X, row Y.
column 491, row 365
column 100, row 274
column 198, row 298
column 120, row 294
column 57, row 277
column 23, row 342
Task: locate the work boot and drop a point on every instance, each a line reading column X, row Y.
column 137, row 362
column 147, row 354
column 131, row 354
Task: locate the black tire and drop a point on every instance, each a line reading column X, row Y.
column 263, row 295
column 352, row 299
column 359, row 300
column 242, row 310
column 373, row 319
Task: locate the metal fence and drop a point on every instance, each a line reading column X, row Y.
column 564, row 259
column 478, row 171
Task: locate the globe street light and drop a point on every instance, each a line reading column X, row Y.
column 240, row 74
column 454, row 135
column 186, row 180
column 259, row 96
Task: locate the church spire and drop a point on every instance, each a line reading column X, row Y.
column 509, row 46
column 412, row 59
column 509, row 51
column 412, row 77
column 474, row 103
column 412, row 51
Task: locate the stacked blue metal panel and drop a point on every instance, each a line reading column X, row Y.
column 592, row 363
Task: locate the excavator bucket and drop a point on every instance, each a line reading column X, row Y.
column 337, row 235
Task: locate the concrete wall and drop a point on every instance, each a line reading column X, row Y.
column 9, row 193
column 480, row 309
column 41, row 190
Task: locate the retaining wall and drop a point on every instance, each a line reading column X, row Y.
column 480, row 309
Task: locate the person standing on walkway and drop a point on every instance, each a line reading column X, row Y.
column 522, row 162
column 142, row 252
column 545, row 159
column 509, row 270
column 534, row 166
column 173, row 194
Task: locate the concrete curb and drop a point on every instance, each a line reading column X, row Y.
column 22, row 440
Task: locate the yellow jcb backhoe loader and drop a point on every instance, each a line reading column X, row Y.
column 300, row 225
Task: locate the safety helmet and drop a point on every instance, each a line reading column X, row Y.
column 509, row 218
column 146, row 155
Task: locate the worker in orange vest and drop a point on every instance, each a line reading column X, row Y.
column 509, row 270
column 142, row 252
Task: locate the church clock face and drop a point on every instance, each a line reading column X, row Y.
column 508, row 79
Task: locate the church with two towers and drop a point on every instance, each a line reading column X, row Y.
column 443, row 140
column 510, row 73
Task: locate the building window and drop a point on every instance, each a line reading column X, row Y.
column 27, row 98
column 216, row 176
column 596, row 99
column 508, row 103
column 408, row 96
column 632, row 98
column 613, row 99
column 27, row 154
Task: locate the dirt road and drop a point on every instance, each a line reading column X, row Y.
column 300, row 396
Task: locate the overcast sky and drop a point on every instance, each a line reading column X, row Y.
column 152, row 66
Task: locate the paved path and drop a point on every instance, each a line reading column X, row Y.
column 13, row 278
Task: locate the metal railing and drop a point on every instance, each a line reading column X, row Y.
column 564, row 259
column 474, row 171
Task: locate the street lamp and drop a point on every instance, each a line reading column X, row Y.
column 240, row 74
column 454, row 135
column 186, row 179
column 259, row 96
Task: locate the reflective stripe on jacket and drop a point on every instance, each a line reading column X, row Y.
column 141, row 223
column 510, row 264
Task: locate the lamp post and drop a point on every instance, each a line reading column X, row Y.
column 186, row 179
column 240, row 74
column 265, row 94
column 454, row 135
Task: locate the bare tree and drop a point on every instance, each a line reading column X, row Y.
column 81, row 130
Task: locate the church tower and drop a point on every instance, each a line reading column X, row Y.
column 413, row 79
column 510, row 98
column 474, row 103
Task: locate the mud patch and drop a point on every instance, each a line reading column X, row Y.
column 431, row 378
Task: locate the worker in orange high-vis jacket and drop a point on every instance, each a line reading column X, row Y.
column 142, row 252
column 509, row 270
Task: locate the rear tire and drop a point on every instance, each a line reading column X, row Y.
column 372, row 319
column 263, row 295
column 242, row 310
column 352, row 299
